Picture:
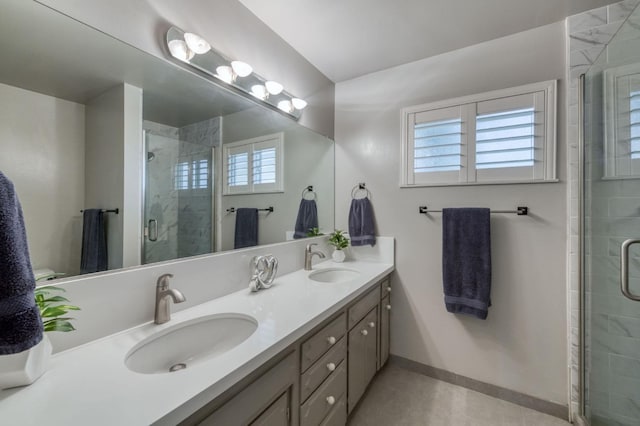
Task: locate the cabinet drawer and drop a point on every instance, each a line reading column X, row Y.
column 337, row 416
column 317, row 345
column 363, row 306
column 385, row 287
column 319, row 371
column 325, row 398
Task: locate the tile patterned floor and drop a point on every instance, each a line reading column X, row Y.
column 399, row 397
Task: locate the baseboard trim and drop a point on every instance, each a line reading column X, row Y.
column 547, row 407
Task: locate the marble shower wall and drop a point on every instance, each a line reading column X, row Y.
column 182, row 206
column 195, row 211
column 588, row 35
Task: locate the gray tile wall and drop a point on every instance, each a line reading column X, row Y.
column 610, row 338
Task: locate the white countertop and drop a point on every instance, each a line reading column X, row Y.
column 90, row 384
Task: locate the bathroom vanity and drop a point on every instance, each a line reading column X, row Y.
column 320, row 378
column 318, row 343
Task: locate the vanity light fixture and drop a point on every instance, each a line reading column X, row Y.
column 180, row 50
column 226, row 74
column 286, row 106
column 198, row 53
column 299, row 103
column 259, row 91
column 274, row 87
column 196, row 43
column 242, row 69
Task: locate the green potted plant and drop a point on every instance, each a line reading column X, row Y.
column 26, row 367
column 339, row 241
column 54, row 313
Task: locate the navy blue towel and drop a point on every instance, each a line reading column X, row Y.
column 466, row 260
column 94, row 242
column 20, row 322
column 246, row 234
column 307, row 218
column 361, row 228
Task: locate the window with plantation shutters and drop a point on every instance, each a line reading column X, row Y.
column 253, row 165
column 622, row 122
column 496, row 137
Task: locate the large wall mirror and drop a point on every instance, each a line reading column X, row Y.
column 89, row 122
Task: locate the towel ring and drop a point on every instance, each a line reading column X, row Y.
column 308, row 191
column 360, row 187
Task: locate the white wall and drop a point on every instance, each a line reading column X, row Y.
column 522, row 344
column 113, row 169
column 42, row 152
column 230, row 27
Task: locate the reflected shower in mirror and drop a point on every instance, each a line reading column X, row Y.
column 119, row 128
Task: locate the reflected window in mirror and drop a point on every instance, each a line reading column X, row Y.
column 254, row 165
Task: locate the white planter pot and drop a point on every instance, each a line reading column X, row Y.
column 25, row 367
column 338, row 256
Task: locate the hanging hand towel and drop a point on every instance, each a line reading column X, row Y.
column 246, row 234
column 20, row 322
column 94, row 242
column 361, row 228
column 466, row 260
column 307, row 218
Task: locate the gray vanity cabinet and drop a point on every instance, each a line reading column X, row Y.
column 385, row 322
column 265, row 401
column 363, row 360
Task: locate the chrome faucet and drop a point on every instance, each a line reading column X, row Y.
column 163, row 293
column 308, row 255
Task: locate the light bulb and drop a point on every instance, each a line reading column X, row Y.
column 242, row 69
column 274, row 87
column 196, row 43
column 285, row 106
column 225, row 74
column 259, row 91
column 180, row 50
column 299, row 103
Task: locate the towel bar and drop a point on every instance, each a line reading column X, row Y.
column 268, row 209
column 116, row 211
column 520, row 211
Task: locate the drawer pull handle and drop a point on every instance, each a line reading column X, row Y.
column 331, row 366
column 372, row 324
column 331, row 340
column 364, row 332
column 388, row 307
column 388, row 289
column 331, row 400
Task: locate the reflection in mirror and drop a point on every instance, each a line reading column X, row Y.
column 117, row 128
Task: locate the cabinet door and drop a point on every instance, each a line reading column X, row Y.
column 276, row 415
column 385, row 317
column 362, row 358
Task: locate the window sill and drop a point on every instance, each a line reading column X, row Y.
column 514, row 182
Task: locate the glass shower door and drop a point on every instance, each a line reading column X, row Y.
column 178, row 198
column 612, row 231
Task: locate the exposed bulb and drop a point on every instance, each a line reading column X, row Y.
column 225, row 74
column 274, row 87
column 242, row 69
column 259, row 91
column 180, row 50
column 285, row 106
column 196, row 43
column 299, row 103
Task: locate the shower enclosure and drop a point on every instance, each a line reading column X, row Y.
column 178, row 196
column 610, row 296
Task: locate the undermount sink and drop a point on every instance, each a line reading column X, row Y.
column 190, row 342
column 333, row 275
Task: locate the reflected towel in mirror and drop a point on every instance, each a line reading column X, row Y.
column 94, row 242
column 307, row 218
column 246, row 233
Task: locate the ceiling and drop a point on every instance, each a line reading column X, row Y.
column 349, row 38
